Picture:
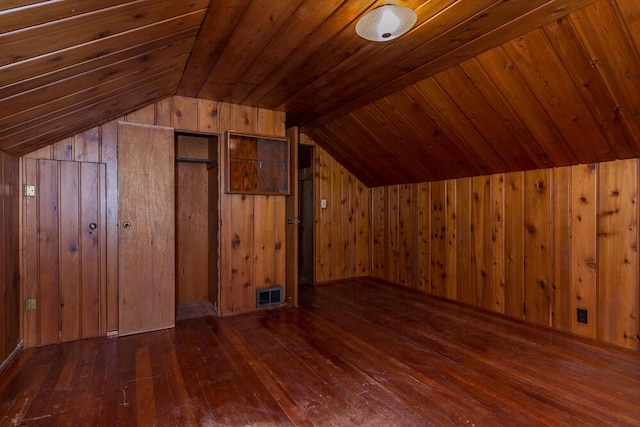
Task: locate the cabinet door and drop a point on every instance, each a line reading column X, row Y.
column 146, row 236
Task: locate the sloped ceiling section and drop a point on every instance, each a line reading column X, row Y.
column 66, row 66
column 563, row 94
column 477, row 87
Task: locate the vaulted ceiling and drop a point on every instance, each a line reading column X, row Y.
column 477, row 87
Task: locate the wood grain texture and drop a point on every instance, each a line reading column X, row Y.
column 437, row 363
column 10, row 329
column 534, row 245
column 146, row 259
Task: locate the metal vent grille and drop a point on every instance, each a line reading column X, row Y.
column 269, row 296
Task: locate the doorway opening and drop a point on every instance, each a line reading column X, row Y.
column 196, row 225
column 305, row 212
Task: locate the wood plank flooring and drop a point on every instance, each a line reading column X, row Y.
column 355, row 353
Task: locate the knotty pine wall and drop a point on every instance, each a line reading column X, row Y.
column 9, row 239
column 533, row 245
column 342, row 230
column 252, row 227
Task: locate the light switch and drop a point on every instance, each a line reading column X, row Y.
column 323, row 203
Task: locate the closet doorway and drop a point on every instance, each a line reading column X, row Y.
column 196, row 225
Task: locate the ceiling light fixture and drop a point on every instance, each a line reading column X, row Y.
column 386, row 22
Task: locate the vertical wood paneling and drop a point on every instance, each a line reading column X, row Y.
column 405, row 234
column 583, row 285
column 48, row 246
column 92, row 249
column 551, row 240
column 618, row 253
column 423, row 235
column 497, row 243
column 70, row 252
column 323, row 268
column 463, row 248
column 362, row 244
column 561, row 221
column 9, row 252
column 379, row 233
column 480, row 243
column 437, row 235
column 514, row 244
column 537, row 244
column 451, row 263
column 30, row 288
column 394, row 236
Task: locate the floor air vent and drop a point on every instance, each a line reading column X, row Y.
column 269, row 296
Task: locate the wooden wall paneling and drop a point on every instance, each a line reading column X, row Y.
column 144, row 116
column 62, row 150
column 394, row 234
column 561, row 222
column 584, row 230
column 264, row 238
column 164, row 112
column 278, row 243
column 422, row 196
column 617, row 253
column 363, row 225
column 274, row 122
column 87, row 146
column 514, row 244
column 323, row 228
column 4, row 256
column 480, row 243
column 213, row 178
column 406, row 246
column 70, row 252
column 146, row 261
column 451, row 263
column 192, row 227
column 463, row 242
column 92, row 244
column 13, row 297
column 350, row 206
column 48, row 252
column 538, row 251
column 379, row 232
column 208, row 116
column 185, row 113
column 437, row 236
column 30, row 265
column 339, row 251
column 109, row 156
column 497, row 264
column 242, row 264
column 225, row 237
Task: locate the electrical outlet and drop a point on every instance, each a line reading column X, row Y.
column 583, row 315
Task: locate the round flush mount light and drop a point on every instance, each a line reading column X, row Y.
column 386, row 23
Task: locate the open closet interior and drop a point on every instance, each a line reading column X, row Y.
column 196, row 229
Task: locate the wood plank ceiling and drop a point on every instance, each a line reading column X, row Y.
column 476, row 87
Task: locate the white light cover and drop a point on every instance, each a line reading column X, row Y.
column 386, row 23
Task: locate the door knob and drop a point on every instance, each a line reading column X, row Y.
column 93, row 226
column 126, row 224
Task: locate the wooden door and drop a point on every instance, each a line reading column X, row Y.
column 65, row 218
column 293, row 221
column 146, row 229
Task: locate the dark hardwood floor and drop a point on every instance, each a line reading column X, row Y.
column 356, row 353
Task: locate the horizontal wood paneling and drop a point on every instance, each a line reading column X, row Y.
column 534, row 245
